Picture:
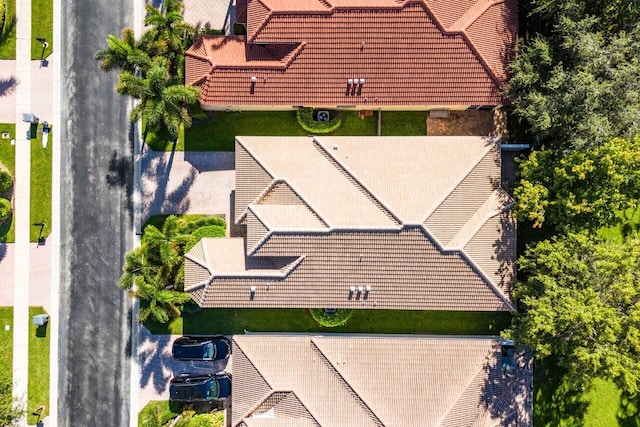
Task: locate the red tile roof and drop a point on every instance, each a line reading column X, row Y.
column 408, row 53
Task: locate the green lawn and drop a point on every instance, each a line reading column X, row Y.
column 8, row 32
column 41, row 26
column 38, row 386
column 629, row 225
column 8, row 158
column 404, row 123
column 218, row 133
column 38, row 391
column 234, row 321
column 40, row 186
column 40, row 183
column 6, row 341
column 159, row 410
column 557, row 404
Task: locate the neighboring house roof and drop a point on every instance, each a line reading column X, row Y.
column 409, row 53
column 299, row 380
column 422, row 221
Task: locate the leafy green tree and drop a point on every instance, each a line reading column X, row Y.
column 611, row 15
column 580, row 303
column 583, row 189
column 124, row 54
column 580, row 87
column 162, row 104
column 8, row 410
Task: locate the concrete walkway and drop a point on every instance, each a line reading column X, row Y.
column 22, row 209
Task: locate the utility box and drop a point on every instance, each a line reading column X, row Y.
column 40, row 319
column 30, row 118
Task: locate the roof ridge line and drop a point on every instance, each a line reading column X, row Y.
column 295, row 191
column 470, row 234
column 471, row 15
column 271, row 390
column 377, row 201
column 456, row 184
column 255, row 247
column 463, row 33
column 267, row 18
column 478, row 371
column 484, row 276
column 240, row 216
column 472, row 263
column 346, row 384
column 277, row 273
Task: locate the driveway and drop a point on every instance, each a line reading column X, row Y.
column 41, row 89
column 187, row 182
column 214, row 14
column 157, row 366
column 39, row 275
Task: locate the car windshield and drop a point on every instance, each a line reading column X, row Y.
column 209, row 350
column 213, row 389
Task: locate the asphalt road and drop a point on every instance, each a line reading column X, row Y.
column 96, row 179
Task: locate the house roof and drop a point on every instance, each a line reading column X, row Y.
column 422, row 220
column 409, row 53
column 298, row 380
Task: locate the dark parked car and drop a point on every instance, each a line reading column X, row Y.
column 200, row 387
column 201, row 348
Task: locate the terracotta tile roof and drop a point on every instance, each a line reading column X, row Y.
column 422, row 221
column 417, row 381
column 422, row 53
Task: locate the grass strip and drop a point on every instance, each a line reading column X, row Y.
column 38, row 384
column 41, row 27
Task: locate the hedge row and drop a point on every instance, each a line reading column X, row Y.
column 306, row 120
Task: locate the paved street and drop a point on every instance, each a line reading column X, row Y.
column 96, row 217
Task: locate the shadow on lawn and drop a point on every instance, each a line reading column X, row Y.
column 558, row 400
column 628, row 414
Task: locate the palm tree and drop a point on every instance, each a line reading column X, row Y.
column 161, row 304
column 163, row 105
column 169, row 36
column 123, row 54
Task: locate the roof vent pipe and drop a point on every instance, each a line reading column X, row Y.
column 349, row 81
column 361, row 81
column 254, row 79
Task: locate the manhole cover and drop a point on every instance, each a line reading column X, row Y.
column 5, row 135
